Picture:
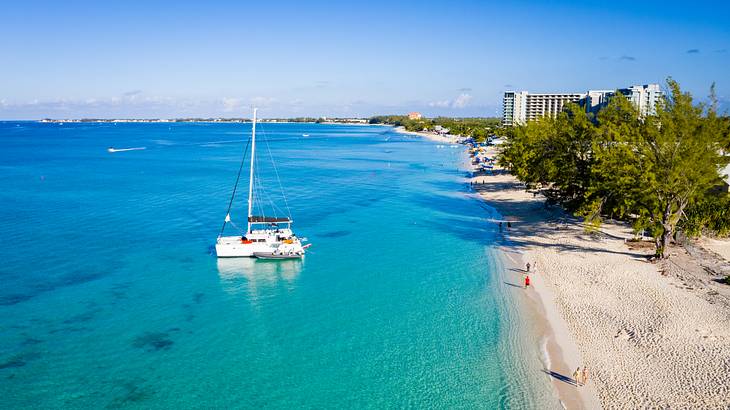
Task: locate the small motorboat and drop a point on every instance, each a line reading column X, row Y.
column 277, row 256
column 305, row 135
column 289, row 249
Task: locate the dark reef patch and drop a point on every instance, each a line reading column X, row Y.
column 74, row 278
column 334, row 234
column 18, row 360
column 134, row 393
column 82, row 317
column 13, row 362
column 119, row 290
column 198, row 297
column 69, row 329
column 77, row 277
column 153, row 341
column 30, row 341
column 9, row 300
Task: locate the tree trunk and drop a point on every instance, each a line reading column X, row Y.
column 663, row 241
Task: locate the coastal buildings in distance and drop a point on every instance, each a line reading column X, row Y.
column 522, row 106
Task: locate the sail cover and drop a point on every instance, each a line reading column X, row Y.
column 267, row 219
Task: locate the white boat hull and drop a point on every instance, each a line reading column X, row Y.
column 233, row 247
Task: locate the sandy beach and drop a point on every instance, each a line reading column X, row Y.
column 653, row 335
column 444, row 139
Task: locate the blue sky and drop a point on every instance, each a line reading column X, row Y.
column 174, row 59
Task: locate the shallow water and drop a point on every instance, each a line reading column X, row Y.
column 112, row 296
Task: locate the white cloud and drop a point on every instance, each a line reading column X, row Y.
column 459, row 102
column 440, row 104
column 262, row 101
column 231, row 104
column 462, row 100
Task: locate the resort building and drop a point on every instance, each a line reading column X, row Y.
column 414, row 115
column 540, row 105
column 522, row 106
column 644, row 97
column 515, row 107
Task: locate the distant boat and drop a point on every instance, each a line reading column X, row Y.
column 305, row 135
column 112, row 149
column 270, row 240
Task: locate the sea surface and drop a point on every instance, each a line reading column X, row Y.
column 111, row 295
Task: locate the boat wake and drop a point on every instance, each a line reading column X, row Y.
column 112, row 149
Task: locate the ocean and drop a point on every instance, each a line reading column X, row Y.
column 112, row 295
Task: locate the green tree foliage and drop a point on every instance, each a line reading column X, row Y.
column 478, row 128
column 710, row 214
column 554, row 152
column 648, row 170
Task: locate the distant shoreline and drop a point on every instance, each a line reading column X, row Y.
column 339, row 121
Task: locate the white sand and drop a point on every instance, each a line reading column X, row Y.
column 649, row 340
column 719, row 246
column 445, row 139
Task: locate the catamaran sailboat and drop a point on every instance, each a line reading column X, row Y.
column 269, row 237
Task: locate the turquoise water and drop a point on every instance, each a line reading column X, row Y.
column 112, row 297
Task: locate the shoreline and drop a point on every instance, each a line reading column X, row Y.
column 444, row 139
column 651, row 335
column 556, row 349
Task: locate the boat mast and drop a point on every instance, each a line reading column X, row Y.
column 250, row 177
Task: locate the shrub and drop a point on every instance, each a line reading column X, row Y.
column 711, row 215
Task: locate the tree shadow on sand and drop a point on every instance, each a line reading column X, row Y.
column 464, row 218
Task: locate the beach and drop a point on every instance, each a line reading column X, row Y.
column 431, row 136
column 653, row 335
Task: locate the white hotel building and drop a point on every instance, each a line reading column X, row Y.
column 522, row 106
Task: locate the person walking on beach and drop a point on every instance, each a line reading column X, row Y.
column 577, row 376
column 527, row 281
column 584, row 375
column 528, row 266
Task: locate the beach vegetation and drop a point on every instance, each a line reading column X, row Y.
column 653, row 170
column 710, row 215
column 477, row 127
